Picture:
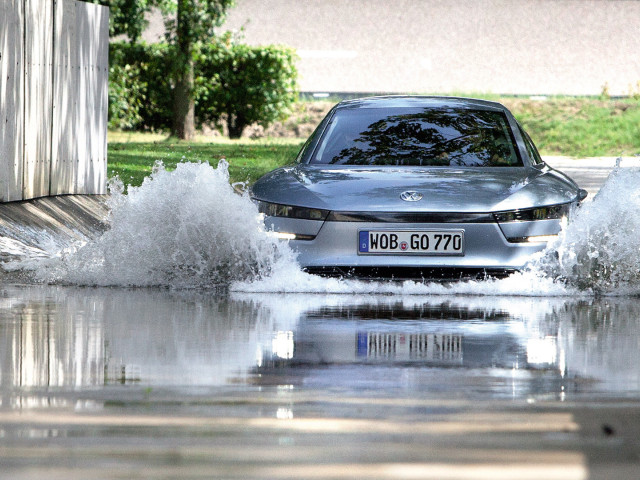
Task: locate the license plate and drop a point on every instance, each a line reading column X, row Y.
column 430, row 347
column 411, row 242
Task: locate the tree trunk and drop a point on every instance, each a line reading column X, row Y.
column 235, row 125
column 183, row 105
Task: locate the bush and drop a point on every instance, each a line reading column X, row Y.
column 143, row 97
column 244, row 84
column 126, row 96
column 234, row 83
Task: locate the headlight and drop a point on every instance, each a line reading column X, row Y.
column 289, row 211
column 531, row 225
column 554, row 212
column 539, row 239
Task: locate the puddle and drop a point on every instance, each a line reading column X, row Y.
column 81, row 339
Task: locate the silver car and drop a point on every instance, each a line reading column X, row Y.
column 416, row 187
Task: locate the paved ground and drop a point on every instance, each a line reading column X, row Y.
column 590, row 173
column 443, row 46
column 468, row 442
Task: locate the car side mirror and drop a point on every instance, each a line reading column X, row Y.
column 582, row 194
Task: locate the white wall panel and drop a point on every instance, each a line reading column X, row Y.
column 64, row 158
column 80, row 98
column 11, row 98
column 38, row 89
column 53, row 98
column 93, row 62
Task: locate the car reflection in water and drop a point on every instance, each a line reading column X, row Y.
column 415, row 347
column 57, row 339
column 499, row 346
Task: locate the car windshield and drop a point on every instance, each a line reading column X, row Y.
column 417, row 137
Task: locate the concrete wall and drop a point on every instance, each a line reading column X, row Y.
column 53, row 98
column 442, row 46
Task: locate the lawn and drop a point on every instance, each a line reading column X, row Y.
column 574, row 127
column 132, row 157
column 580, row 127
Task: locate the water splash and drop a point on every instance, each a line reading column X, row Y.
column 600, row 248
column 189, row 229
column 292, row 280
column 183, row 229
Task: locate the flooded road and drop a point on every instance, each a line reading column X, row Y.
column 151, row 383
column 277, row 374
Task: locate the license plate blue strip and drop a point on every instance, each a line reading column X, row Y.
column 364, row 242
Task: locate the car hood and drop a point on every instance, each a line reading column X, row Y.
column 444, row 189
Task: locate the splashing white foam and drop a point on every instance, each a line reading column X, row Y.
column 285, row 279
column 185, row 228
column 189, row 229
column 600, row 248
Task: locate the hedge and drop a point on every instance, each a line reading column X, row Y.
column 234, row 83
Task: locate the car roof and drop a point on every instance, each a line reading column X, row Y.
column 418, row 101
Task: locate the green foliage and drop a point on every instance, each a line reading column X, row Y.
column 244, row 84
column 195, row 20
column 148, row 94
column 189, row 23
column 235, row 83
column 194, row 24
column 581, row 127
column 127, row 16
column 126, row 96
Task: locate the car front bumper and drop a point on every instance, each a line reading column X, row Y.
column 333, row 250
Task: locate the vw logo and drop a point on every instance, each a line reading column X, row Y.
column 411, row 196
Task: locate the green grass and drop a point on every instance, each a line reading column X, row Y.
column 581, row 127
column 577, row 126
column 574, row 127
column 132, row 159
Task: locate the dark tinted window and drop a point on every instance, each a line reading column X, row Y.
column 417, row 137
